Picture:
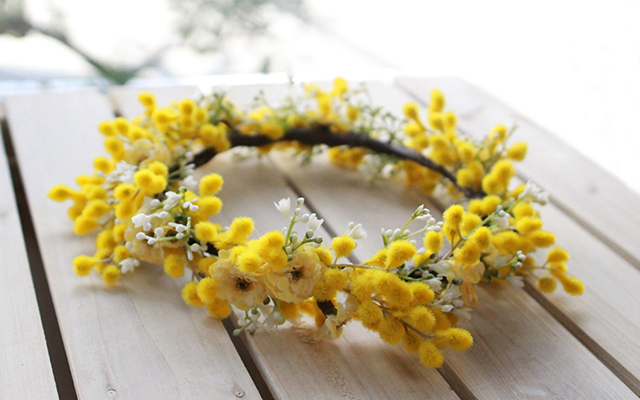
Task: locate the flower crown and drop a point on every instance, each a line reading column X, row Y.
column 147, row 207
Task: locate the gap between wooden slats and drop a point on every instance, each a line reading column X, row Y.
column 359, row 365
column 594, row 198
column 601, row 318
column 25, row 368
column 133, row 340
column 578, row 355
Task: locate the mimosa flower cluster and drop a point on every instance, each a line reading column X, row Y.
column 146, row 207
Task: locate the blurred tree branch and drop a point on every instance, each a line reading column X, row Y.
column 203, row 25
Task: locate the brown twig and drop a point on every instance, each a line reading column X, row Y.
column 322, row 135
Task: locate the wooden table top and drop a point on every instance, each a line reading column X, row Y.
column 139, row 340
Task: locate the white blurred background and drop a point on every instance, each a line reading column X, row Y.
column 572, row 67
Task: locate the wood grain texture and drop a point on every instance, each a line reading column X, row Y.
column 25, row 368
column 602, row 313
column 137, row 340
column 358, row 365
column 508, row 346
column 580, row 188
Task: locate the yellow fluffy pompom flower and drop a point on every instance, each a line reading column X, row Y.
column 219, row 309
column 174, row 265
column 159, row 168
column 433, row 241
column 144, row 179
column 422, row 293
column 499, row 132
column 125, row 191
column 528, row 225
column 120, row 253
column 468, row 254
column 340, row 86
column 453, row 215
column 491, row 184
column 437, row 101
column 210, row 184
column 84, row 225
column 343, row 246
column 60, row 193
column 82, row 265
column 390, row 330
column 331, row 282
column 249, row 262
column 209, row 206
column 103, row 164
column 206, row 231
column 96, row 208
column 115, row 147
column 411, row 341
column 542, row 238
column 546, row 284
column 399, row 252
column 206, row 290
column 190, row 295
column 557, row 255
column 111, row 275
column 518, row 151
column 571, row 285
column 240, row 229
column 482, row 237
column 506, row 242
column 457, row 339
column 368, row 312
column 421, row 318
column 410, row 111
column 429, row 355
column 107, row 128
column 187, row 106
column 147, row 99
column 469, row 222
column 396, row 292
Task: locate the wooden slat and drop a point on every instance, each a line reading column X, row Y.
column 358, row 365
column 137, row 340
column 503, row 340
column 602, row 312
column 25, row 368
column 578, row 186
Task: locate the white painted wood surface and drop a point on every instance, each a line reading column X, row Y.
column 134, row 341
column 580, row 188
column 25, row 369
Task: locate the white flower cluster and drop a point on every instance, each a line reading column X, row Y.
column 534, row 193
column 260, row 317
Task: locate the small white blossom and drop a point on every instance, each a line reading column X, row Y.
column 314, row 222
column 172, row 200
column 142, row 220
column 123, row 173
column 190, row 183
column 129, row 264
column 356, row 231
column 284, row 206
